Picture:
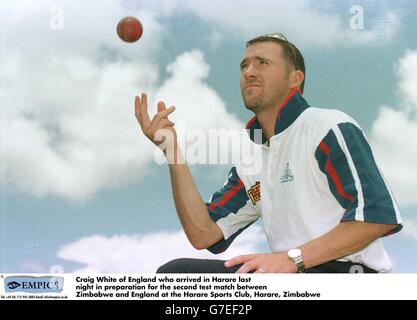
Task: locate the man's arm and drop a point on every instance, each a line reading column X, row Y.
column 346, row 238
column 201, row 231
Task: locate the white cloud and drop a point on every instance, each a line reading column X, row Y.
column 305, row 22
column 145, row 253
column 302, row 21
column 394, row 134
column 389, row 25
column 408, row 80
column 67, row 106
column 410, row 228
column 215, row 39
column 79, row 138
column 200, row 107
column 207, row 133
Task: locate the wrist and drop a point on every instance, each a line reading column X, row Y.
column 292, row 267
column 174, row 155
column 295, row 256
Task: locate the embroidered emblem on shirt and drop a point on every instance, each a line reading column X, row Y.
column 254, row 192
column 288, row 176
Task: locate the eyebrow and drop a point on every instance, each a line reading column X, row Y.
column 256, row 58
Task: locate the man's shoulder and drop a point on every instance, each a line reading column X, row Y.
column 327, row 118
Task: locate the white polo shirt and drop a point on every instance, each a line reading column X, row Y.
column 317, row 171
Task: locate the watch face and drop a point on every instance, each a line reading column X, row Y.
column 294, row 253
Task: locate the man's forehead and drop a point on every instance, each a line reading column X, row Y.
column 264, row 48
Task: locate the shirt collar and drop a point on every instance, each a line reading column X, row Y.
column 293, row 105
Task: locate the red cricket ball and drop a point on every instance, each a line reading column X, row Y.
column 129, row 29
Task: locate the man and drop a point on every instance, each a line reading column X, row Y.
column 323, row 200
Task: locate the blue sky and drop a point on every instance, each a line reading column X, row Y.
column 80, row 190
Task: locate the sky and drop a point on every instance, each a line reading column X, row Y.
column 81, row 188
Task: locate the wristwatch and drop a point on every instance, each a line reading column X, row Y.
column 295, row 256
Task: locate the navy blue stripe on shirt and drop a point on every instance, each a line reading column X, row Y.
column 290, row 110
column 378, row 205
column 333, row 163
column 293, row 105
column 228, row 200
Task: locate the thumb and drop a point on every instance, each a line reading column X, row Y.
column 161, row 106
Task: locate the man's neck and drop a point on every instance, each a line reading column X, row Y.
column 267, row 117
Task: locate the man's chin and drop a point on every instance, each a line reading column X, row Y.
column 251, row 104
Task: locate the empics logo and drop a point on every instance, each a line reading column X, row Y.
column 33, row 284
column 13, row 285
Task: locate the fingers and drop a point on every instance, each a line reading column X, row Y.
column 161, row 106
column 159, row 121
column 137, row 108
column 259, row 270
column 164, row 113
column 250, row 263
column 160, row 116
column 247, row 267
column 239, row 260
column 141, row 110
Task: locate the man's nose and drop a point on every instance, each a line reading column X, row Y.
column 250, row 71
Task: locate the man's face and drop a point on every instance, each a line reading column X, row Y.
column 263, row 76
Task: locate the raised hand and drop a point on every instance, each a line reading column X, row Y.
column 160, row 128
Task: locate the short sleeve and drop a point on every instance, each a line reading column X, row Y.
column 354, row 178
column 231, row 209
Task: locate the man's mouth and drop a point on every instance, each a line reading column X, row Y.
column 253, row 85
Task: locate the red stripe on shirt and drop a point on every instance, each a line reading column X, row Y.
column 333, row 174
column 250, row 122
column 228, row 195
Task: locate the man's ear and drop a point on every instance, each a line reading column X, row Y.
column 296, row 78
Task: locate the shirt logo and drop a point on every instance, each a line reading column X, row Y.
column 254, row 192
column 288, row 176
